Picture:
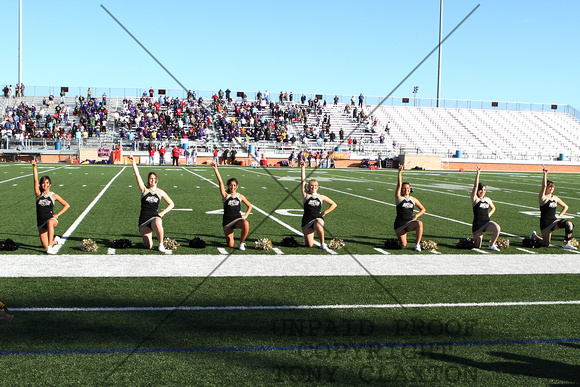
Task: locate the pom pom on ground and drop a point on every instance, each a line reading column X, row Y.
column 197, row 243
column 503, row 243
column 392, row 244
column 336, row 243
column 289, row 242
column 465, row 243
column 263, row 244
column 531, row 243
column 122, row 244
column 429, row 245
column 170, row 244
column 574, row 242
column 9, row 245
column 89, row 245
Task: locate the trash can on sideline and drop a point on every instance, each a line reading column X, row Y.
column 458, row 154
column 251, row 149
column 57, row 145
column 561, row 157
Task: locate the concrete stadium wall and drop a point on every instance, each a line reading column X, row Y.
column 425, row 162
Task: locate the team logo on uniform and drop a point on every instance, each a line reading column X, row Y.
column 152, row 199
column 408, row 205
column 233, row 203
column 553, row 204
column 45, row 202
column 484, row 205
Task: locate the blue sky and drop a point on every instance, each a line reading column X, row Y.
column 508, row 50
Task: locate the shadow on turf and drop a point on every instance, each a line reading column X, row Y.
column 516, row 364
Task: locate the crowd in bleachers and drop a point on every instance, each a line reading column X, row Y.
column 146, row 119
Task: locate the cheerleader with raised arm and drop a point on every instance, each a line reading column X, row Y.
column 150, row 218
column 549, row 221
column 46, row 219
column 483, row 209
column 406, row 221
column 233, row 217
column 313, row 218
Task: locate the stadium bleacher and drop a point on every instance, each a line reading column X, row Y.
column 291, row 125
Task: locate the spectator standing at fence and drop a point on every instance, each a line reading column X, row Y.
column 89, row 94
column 549, row 221
column 162, row 152
column 151, row 155
column 483, row 209
column 406, row 221
column 175, row 152
column 215, row 155
column 194, row 156
column 46, row 219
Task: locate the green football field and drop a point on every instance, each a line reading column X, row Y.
column 105, row 205
column 288, row 330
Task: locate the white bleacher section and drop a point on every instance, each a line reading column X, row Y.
column 479, row 133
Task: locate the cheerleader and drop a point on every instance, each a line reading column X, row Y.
column 313, row 218
column 405, row 220
column 150, row 218
column 549, row 221
column 483, row 209
column 46, row 219
column 233, row 217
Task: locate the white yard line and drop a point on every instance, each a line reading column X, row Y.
column 181, row 264
column 525, row 250
column 76, row 223
column 297, row 307
column 20, row 177
column 382, row 251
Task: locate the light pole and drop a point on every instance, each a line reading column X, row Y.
column 415, row 90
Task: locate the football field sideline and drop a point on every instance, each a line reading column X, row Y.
column 287, row 265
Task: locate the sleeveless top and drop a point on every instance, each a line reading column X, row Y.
column 232, row 208
column 149, row 204
column 404, row 211
column 548, row 212
column 312, row 208
column 480, row 213
column 44, row 208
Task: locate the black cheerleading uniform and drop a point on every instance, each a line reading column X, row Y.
column 312, row 210
column 480, row 215
column 44, row 209
column 548, row 217
column 149, row 206
column 232, row 210
column 404, row 213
